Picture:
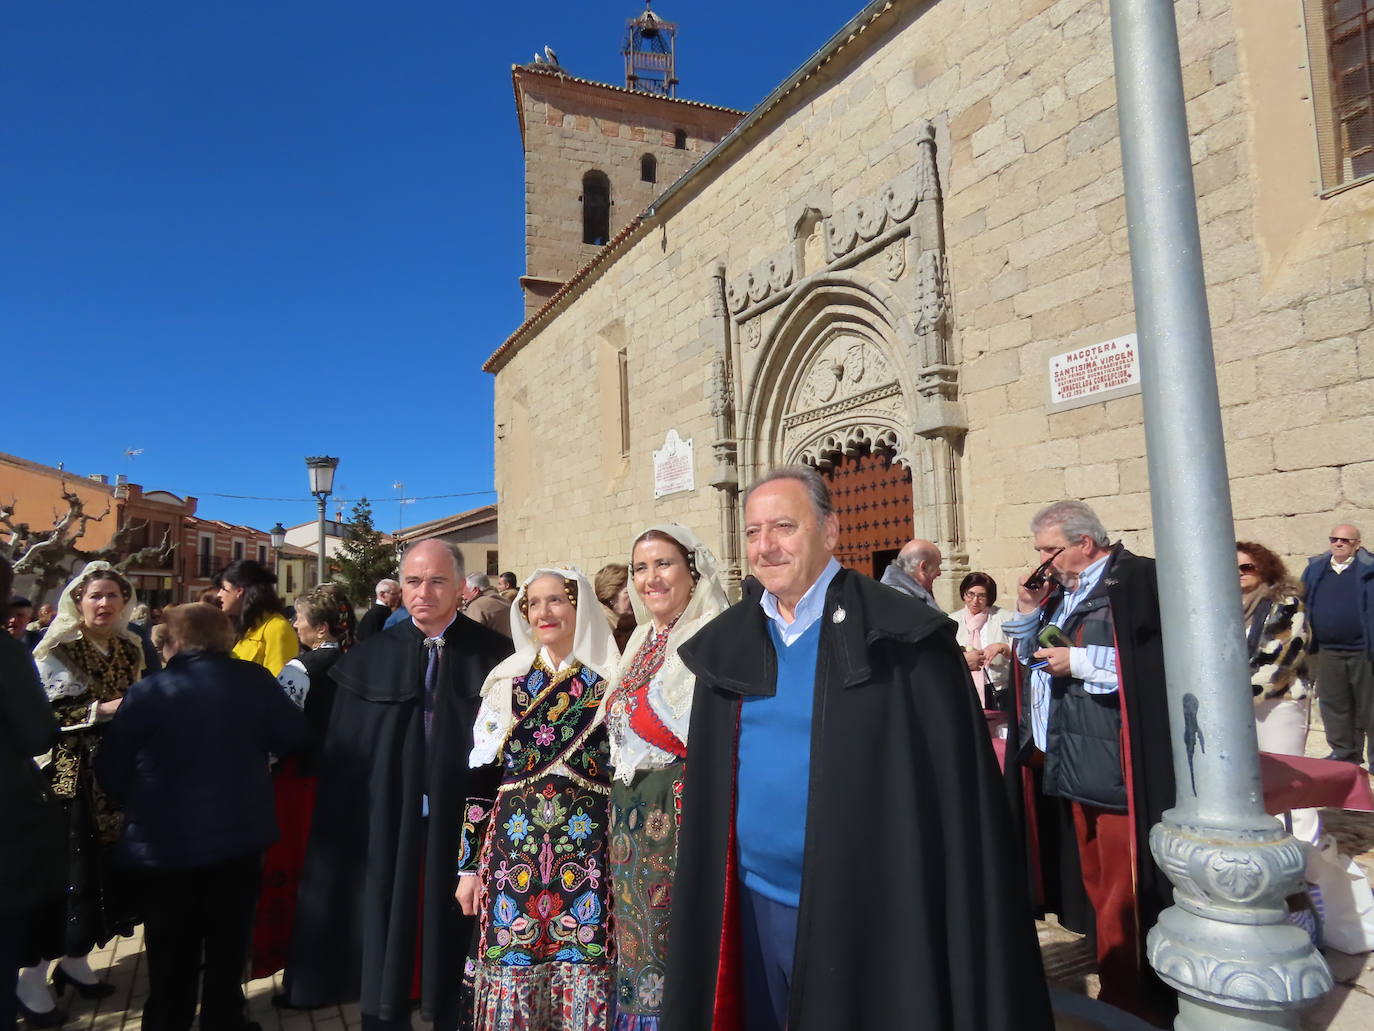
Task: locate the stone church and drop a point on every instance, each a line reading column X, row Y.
column 908, row 266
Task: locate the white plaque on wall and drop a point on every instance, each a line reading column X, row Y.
column 1097, row 372
column 673, row 472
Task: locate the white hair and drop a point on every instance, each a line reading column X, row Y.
column 478, row 581
column 387, row 585
column 1074, row 519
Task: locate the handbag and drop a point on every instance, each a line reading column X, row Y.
column 1345, row 898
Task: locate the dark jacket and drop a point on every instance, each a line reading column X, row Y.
column 186, row 758
column 372, row 622
column 1317, row 568
column 362, row 890
column 31, row 848
column 913, row 903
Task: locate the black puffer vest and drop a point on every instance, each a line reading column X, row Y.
column 1083, row 760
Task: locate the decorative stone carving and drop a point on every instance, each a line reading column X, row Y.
column 927, row 174
column 865, row 219
column 848, row 365
column 770, row 276
column 931, row 303
column 753, row 332
column 894, row 259
column 853, row 438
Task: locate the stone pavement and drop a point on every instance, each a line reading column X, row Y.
column 1068, row 963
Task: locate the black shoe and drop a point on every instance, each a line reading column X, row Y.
column 55, row 1017
column 282, row 1001
column 61, row 979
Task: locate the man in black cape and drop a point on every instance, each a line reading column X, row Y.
column 388, row 598
column 1088, row 750
column 860, row 783
column 380, row 870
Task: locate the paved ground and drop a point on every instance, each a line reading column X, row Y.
column 1070, row 966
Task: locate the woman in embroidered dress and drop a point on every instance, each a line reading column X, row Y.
column 320, row 626
column 533, row 860
column 87, row 661
column 248, row 595
column 676, row 592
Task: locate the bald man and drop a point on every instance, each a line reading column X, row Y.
column 915, row 570
column 389, row 811
column 1339, row 595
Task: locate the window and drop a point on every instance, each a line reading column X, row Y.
column 648, row 169
column 680, row 139
column 596, row 208
column 493, row 564
column 238, row 550
column 290, row 577
column 206, row 556
column 262, row 554
column 1340, row 42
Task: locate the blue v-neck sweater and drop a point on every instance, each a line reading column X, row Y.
column 775, row 771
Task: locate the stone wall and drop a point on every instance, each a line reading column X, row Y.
column 1022, row 101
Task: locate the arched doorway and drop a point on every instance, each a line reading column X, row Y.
column 873, row 500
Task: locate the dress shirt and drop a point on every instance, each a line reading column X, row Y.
column 1341, row 567
column 442, row 632
column 808, row 610
column 1094, row 665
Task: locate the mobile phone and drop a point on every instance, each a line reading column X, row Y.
column 1052, row 637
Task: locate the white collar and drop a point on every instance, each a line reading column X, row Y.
column 441, row 633
column 559, row 667
column 1341, row 567
column 807, row 610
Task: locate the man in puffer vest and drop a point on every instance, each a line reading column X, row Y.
column 1090, row 740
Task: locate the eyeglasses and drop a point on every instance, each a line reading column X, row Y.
column 1248, row 567
column 1342, row 540
column 976, row 595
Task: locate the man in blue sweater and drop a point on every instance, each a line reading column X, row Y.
column 1340, row 604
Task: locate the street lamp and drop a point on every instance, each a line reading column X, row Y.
column 321, row 485
column 278, row 536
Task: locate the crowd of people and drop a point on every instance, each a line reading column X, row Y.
column 478, row 799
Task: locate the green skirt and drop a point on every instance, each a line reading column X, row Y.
column 645, row 816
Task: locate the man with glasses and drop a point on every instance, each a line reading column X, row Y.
column 1089, row 736
column 1339, row 591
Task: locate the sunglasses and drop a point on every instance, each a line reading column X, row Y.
column 1041, row 572
column 1247, row 567
column 1341, row 540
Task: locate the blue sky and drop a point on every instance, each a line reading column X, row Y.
column 235, row 234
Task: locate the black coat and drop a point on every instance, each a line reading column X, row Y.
column 913, row 904
column 31, row 847
column 186, row 758
column 354, row 936
column 372, row 622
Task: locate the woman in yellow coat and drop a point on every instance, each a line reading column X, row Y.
column 248, row 595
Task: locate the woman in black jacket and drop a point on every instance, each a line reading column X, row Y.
column 187, row 758
column 31, row 847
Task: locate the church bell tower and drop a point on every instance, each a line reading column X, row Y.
column 650, row 45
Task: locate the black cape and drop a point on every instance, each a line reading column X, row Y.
column 374, row 619
column 355, row 932
column 913, row 906
column 1049, row 842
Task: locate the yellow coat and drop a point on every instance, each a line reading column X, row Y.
column 271, row 644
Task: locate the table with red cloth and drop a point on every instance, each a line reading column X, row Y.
column 1289, row 781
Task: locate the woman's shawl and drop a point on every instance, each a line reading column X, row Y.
column 593, row 646
column 670, row 689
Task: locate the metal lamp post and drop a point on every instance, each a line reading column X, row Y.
column 321, row 485
column 277, row 535
column 1224, row 945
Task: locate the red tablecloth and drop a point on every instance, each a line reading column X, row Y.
column 1290, row 781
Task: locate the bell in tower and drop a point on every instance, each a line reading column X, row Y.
column 649, row 45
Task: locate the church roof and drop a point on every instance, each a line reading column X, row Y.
column 745, row 130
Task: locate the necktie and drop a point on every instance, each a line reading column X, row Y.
column 434, row 645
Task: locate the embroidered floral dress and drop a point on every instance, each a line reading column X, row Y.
column 544, row 959
column 78, row 677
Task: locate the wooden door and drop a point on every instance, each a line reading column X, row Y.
column 874, row 502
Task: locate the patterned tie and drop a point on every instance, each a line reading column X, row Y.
column 434, row 645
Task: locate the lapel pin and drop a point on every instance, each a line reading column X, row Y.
column 837, row 616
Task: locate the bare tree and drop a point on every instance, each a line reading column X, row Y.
column 51, row 556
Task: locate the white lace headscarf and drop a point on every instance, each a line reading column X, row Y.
column 593, row 646
column 670, row 690
column 66, row 625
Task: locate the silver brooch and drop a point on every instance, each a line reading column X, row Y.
column 837, row 616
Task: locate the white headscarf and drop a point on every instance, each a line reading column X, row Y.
column 670, row 690
column 66, row 625
column 593, row 646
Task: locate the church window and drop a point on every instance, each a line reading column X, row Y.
column 1340, row 39
column 680, row 139
column 648, row 169
column 596, row 208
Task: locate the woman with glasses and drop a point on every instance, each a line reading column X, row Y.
column 986, row 650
